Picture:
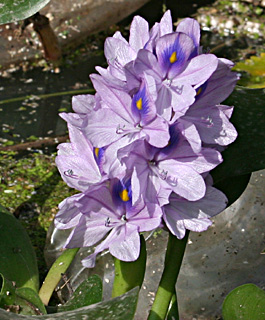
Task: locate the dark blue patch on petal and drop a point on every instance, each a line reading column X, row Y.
column 99, row 156
column 200, row 90
column 122, row 193
column 140, row 104
column 173, row 141
column 173, row 56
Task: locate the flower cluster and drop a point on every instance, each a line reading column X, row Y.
column 142, row 147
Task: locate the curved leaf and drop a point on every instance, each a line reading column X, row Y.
column 55, row 274
column 18, row 261
column 247, row 153
column 89, row 292
column 245, row 302
column 11, row 11
column 120, row 308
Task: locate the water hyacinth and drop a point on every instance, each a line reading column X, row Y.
column 142, row 147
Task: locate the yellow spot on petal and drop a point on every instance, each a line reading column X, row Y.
column 139, row 104
column 124, row 195
column 96, row 150
column 199, row 91
column 173, row 57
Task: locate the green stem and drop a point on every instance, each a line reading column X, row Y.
column 173, row 313
column 47, row 95
column 55, row 274
column 129, row 275
column 166, row 289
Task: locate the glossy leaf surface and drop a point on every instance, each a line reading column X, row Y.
column 89, row 292
column 245, row 302
column 11, row 11
column 120, row 308
column 18, row 260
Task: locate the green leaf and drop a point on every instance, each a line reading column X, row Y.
column 22, row 300
column 233, row 187
column 55, row 274
column 18, row 260
column 246, row 302
column 32, row 299
column 119, row 308
column 14, row 10
column 89, row 292
column 247, row 153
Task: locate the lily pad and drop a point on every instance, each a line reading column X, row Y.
column 255, row 71
column 245, row 302
column 18, row 261
column 11, row 11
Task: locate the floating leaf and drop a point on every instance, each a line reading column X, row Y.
column 247, row 153
column 18, row 260
column 119, row 308
column 11, row 11
column 245, row 302
column 255, row 68
column 89, row 292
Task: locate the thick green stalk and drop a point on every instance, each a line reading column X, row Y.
column 129, row 275
column 166, row 289
column 55, row 274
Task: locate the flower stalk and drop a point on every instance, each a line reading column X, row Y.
column 166, row 289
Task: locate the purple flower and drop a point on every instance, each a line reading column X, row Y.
column 79, row 163
column 181, row 214
column 107, row 213
column 129, row 118
column 156, row 173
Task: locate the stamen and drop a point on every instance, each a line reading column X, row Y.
column 173, row 57
column 70, row 173
column 124, row 195
column 163, row 175
column 139, row 104
column 123, row 218
column 107, row 222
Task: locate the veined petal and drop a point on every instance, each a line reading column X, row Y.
column 212, row 125
column 190, row 27
column 182, row 179
column 83, row 103
column 139, row 33
column 102, row 133
column 117, row 100
column 181, row 214
column 118, row 52
column 165, row 24
column 87, row 233
column 126, row 246
column 157, row 132
column 199, row 70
